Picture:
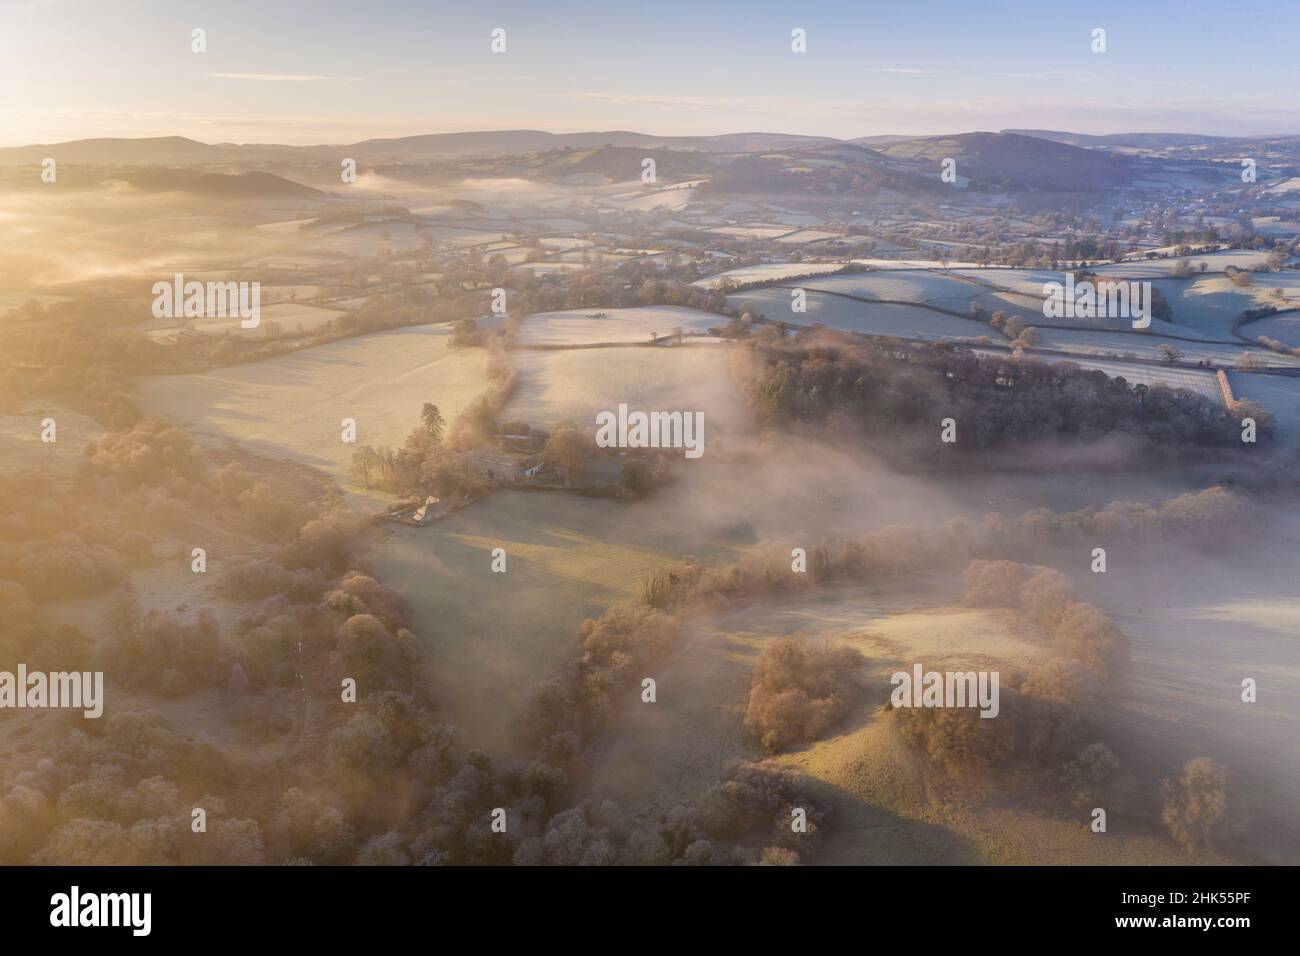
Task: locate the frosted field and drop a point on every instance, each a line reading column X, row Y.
column 1284, row 328
column 291, row 406
column 1163, row 268
column 588, row 255
column 931, row 288
column 1278, row 289
column 672, row 198
column 918, row 286
column 914, row 264
column 21, row 447
column 1276, row 226
column 884, row 245
column 575, row 385
column 769, row 272
column 1279, row 394
column 1024, row 281
column 286, row 227
column 1206, row 305
column 296, row 262
column 754, row 232
column 558, row 225
column 565, row 243
column 809, row 235
column 370, row 240
column 494, row 639
column 577, row 327
column 513, row 255
column 458, row 236
column 277, row 321
column 1287, row 186
column 548, row 268
column 273, row 294
column 1202, row 307
column 293, row 317
column 1204, row 383
column 835, row 312
column 1148, row 346
column 1213, row 302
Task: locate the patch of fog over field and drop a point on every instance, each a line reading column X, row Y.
column 496, row 636
column 1198, row 622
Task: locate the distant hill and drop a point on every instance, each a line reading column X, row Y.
column 508, row 142
column 155, row 151
column 884, row 139
column 1132, row 140
column 1280, row 152
column 179, row 151
column 239, row 186
column 1010, row 159
column 617, row 163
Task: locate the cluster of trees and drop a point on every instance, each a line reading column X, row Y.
column 150, row 453
column 1199, row 806
column 743, row 820
column 673, row 292
column 617, row 649
column 24, row 639
column 1213, row 517
column 1080, row 631
column 800, row 690
column 315, row 617
column 74, row 353
column 465, row 334
column 65, row 565
column 1045, row 737
column 640, row 476
column 420, row 460
column 156, row 651
column 1277, row 345
column 905, row 391
column 60, row 538
column 429, row 459
column 729, row 285
column 569, row 448
column 123, row 795
column 1048, row 716
column 1041, row 734
column 1014, row 328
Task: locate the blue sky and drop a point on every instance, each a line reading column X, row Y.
column 320, row 71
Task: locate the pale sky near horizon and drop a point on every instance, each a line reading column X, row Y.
column 325, row 71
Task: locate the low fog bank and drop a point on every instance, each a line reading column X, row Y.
column 1198, row 624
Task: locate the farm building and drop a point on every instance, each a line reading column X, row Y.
column 427, row 513
column 497, row 465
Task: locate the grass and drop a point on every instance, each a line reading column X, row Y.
column 494, row 637
column 631, row 326
column 575, row 385
column 292, row 406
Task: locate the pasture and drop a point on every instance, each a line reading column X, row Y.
column 576, row 384
column 628, row 326
column 292, row 406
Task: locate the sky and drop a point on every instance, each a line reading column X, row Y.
column 322, row 71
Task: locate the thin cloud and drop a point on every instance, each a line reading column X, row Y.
column 1045, row 73
column 907, row 70
column 283, row 77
